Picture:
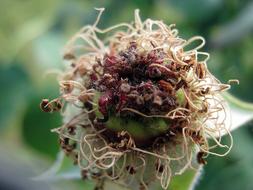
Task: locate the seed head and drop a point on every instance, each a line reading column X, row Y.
column 139, row 107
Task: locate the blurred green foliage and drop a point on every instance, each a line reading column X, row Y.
column 33, row 33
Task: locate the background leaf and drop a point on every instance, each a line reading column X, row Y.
column 241, row 112
column 32, row 36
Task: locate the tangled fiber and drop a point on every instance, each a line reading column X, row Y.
column 139, row 104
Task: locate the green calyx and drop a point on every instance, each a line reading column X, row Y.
column 142, row 130
column 146, row 128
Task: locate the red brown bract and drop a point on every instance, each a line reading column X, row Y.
column 137, row 106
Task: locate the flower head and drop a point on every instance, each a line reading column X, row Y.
column 138, row 103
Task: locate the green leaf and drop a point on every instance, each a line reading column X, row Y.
column 237, row 103
column 63, row 169
column 241, row 112
column 235, row 171
column 186, row 181
column 15, row 86
column 37, row 124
